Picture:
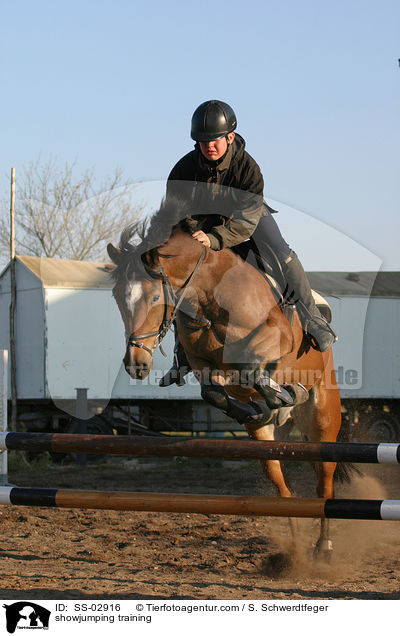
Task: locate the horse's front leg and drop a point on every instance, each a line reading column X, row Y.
column 213, row 391
column 272, row 468
column 273, row 471
column 255, row 412
column 255, row 415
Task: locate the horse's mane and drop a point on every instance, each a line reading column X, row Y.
column 151, row 235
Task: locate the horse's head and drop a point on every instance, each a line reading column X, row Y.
column 139, row 294
column 143, row 292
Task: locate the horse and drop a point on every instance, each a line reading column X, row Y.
column 246, row 354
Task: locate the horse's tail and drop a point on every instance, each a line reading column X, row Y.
column 345, row 472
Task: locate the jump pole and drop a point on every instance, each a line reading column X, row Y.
column 210, row 448
column 204, row 504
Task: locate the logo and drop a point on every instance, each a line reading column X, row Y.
column 26, row 615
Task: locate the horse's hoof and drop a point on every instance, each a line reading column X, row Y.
column 263, row 413
column 323, row 551
column 299, row 392
column 260, row 416
column 254, row 413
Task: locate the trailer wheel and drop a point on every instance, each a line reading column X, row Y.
column 377, row 426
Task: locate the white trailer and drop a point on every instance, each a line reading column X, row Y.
column 69, row 335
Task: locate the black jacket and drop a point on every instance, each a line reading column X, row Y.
column 223, row 198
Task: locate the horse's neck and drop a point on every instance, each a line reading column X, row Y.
column 223, row 277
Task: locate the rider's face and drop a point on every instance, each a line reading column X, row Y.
column 214, row 150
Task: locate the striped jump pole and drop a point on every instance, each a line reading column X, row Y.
column 204, row 504
column 211, row 448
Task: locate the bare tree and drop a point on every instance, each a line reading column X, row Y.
column 60, row 215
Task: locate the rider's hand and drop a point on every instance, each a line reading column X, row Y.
column 202, row 238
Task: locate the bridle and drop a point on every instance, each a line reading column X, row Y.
column 172, row 302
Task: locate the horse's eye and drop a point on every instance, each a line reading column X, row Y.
column 155, row 298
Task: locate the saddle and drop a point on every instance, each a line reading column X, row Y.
column 269, row 266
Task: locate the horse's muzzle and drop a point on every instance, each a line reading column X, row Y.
column 137, row 366
column 138, row 371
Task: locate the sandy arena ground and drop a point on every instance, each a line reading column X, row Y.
column 82, row 554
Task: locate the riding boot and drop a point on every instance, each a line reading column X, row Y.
column 320, row 333
column 180, row 366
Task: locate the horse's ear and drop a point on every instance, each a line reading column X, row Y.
column 114, row 253
column 150, row 259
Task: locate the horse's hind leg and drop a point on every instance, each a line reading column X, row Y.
column 322, row 414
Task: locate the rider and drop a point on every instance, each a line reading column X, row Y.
column 220, row 158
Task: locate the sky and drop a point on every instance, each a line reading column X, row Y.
column 315, row 86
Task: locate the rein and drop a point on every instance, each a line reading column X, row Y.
column 171, row 299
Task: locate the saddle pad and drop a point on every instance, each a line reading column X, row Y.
column 322, row 305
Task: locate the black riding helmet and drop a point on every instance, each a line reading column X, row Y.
column 212, row 120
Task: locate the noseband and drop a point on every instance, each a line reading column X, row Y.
column 172, row 301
